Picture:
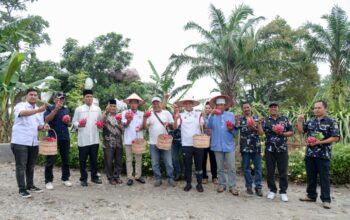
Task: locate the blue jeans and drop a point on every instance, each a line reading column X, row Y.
column 155, row 155
column 256, row 159
column 175, row 154
column 229, row 159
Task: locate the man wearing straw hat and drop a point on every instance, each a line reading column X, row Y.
column 222, row 141
column 24, row 141
column 192, row 122
column 85, row 118
column 157, row 124
column 58, row 118
column 133, row 129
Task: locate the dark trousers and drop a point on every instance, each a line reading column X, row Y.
column 189, row 153
column 90, row 151
column 113, row 162
column 25, row 157
column 213, row 166
column 63, row 147
column 281, row 160
column 318, row 166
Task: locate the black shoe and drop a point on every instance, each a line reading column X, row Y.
column 141, row 180
column 250, row 191
column 259, row 192
column 83, row 183
column 130, row 182
column 34, row 189
column 188, row 187
column 177, row 178
column 199, row 188
column 25, row 194
column 97, row 181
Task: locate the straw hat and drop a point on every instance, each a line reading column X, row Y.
column 134, row 96
column 227, row 101
column 187, row 99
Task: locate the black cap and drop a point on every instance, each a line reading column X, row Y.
column 87, row 92
column 59, row 95
column 275, row 103
column 112, row 102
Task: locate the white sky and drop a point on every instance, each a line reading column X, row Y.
column 155, row 27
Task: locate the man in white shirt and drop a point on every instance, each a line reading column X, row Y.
column 85, row 118
column 157, row 126
column 29, row 119
column 191, row 122
column 133, row 129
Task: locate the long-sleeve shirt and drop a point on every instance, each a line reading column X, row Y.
column 89, row 134
column 112, row 132
column 222, row 139
column 57, row 124
column 25, row 128
column 130, row 132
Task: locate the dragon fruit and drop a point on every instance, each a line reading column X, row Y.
column 99, row 124
column 311, row 140
column 82, row 122
column 250, row 122
column 319, row 136
column 118, row 117
column 147, row 114
column 228, row 124
column 66, row 119
column 217, row 112
column 279, row 128
column 129, row 115
column 51, row 139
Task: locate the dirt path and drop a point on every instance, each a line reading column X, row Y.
column 146, row 202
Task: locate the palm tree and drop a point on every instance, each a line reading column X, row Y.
column 229, row 50
column 332, row 44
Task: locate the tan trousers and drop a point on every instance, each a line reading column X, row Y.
column 129, row 159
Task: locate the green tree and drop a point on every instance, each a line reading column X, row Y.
column 332, row 44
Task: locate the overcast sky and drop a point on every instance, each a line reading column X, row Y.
column 155, row 27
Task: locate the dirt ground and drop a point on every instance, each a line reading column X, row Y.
column 147, row 202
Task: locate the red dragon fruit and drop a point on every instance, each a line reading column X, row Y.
column 217, row 112
column 250, row 122
column 311, row 140
column 118, row 117
column 129, row 115
column 279, row 128
column 147, row 114
column 99, row 124
column 51, row 139
column 66, row 119
column 82, row 122
column 229, row 124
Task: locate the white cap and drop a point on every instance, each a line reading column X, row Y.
column 156, row 99
column 220, row 101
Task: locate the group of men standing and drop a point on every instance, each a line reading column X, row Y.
column 217, row 122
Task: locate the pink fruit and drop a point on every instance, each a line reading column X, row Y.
column 147, row 114
column 228, row 123
column 129, row 115
column 66, row 119
column 311, row 140
column 250, row 122
column 50, row 139
column 279, row 128
column 217, row 112
column 99, row 124
column 82, row 122
column 118, row 117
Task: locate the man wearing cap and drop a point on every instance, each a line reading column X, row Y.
column 277, row 129
column 133, row 129
column 157, row 124
column 57, row 115
column 222, row 141
column 29, row 119
column 191, row 123
column 250, row 148
column 85, row 118
column 112, row 143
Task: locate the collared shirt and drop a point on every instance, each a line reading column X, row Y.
column 89, row 134
column 155, row 127
column 275, row 142
column 190, row 126
column 57, row 124
column 25, row 128
column 249, row 139
column 112, row 132
column 329, row 128
column 222, row 139
column 130, row 132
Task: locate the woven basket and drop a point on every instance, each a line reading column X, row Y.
column 138, row 146
column 164, row 144
column 48, row 147
column 201, row 141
